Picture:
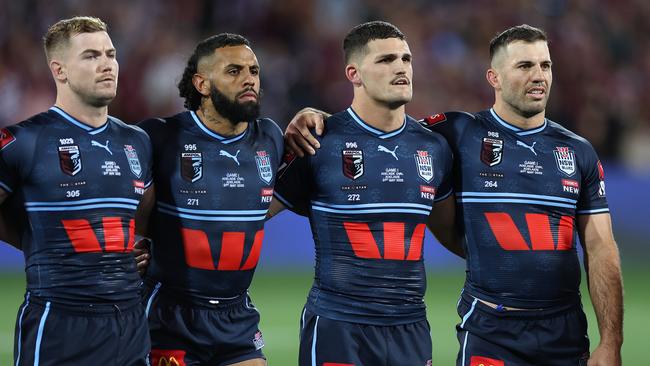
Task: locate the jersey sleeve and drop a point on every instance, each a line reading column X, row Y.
column 446, row 187
column 293, row 184
column 16, row 153
column 147, row 153
column 592, row 198
column 153, row 128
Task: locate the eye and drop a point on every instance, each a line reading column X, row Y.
column 255, row 71
column 233, row 72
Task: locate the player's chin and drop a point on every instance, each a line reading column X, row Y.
column 102, row 99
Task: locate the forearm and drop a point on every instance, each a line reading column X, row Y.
column 606, row 291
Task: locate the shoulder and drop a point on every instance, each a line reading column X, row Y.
column 572, row 140
column 28, row 129
column 417, row 128
column 448, row 119
column 269, row 125
column 130, row 129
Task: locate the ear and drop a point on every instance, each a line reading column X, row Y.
column 352, row 73
column 201, row 84
column 58, row 71
column 492, row 77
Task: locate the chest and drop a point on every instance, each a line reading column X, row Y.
column 495, row 161
column 202, row 173
column 77, row 166
column 352, row 170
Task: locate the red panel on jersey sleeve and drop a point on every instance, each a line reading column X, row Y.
column 6, row 138
column 435, row 119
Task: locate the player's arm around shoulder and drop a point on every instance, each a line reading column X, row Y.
column 299, row 134
column 603, row 266
column 442, row 220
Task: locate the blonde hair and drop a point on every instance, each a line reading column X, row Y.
column 60, row 33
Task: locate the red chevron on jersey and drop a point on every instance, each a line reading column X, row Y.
column 6, row 138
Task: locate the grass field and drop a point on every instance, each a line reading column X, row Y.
column 280, row 296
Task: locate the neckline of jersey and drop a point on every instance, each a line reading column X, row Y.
column 90, row 129
column 214, row 135
column 515, row 129
column 378, row 133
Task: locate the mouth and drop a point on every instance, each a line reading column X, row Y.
column 247, row 96
column 537, row 92
column 106, row 79
column 401, row 81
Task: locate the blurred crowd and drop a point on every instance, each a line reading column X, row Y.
column 600, row 51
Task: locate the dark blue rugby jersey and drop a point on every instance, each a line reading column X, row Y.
column 212, row 195
column 519, row 192
column 80, row 187
column 369, row 195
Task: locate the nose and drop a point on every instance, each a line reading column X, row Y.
column 250, row 79
column 108, row 64
column 538, row 73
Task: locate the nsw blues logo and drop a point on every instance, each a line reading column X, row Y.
column 352, row 163
column 191, row 166
column 263, row 162
column 565, row 160
column 70, row 159
column 132, row 158
column 424, row 165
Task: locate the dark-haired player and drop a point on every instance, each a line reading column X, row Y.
column 78, row 175
column 216, row 163
column 370, row 190
column 527, row 188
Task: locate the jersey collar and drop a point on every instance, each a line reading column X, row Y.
column 515, row 129
column 378, row 133
column 90, row 129
column 207, row 131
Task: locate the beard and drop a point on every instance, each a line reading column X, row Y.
column 233, row 111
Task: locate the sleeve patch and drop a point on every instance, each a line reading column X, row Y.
column 6, row 138
column 435, row 119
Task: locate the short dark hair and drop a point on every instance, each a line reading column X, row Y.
column 522, row 32
column 205, row 48
column 358, row 37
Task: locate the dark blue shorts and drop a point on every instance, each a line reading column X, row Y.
column 52, row 334
column 550, row 337
column 198, row 332
column 327, row 342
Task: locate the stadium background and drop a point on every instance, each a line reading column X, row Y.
column 601, row 55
